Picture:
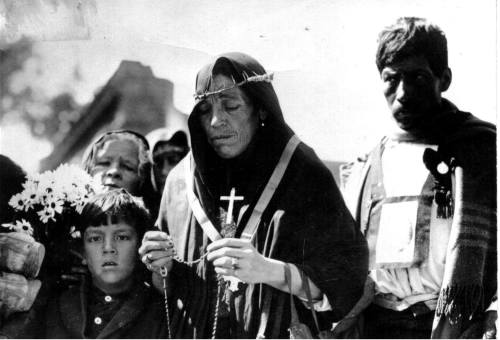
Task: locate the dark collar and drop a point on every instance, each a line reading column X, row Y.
column 73, row 304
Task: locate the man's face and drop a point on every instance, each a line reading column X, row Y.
column 228, row 119
column 111, row 254
column 165, row 158
column 117, row 165
column 412, row 91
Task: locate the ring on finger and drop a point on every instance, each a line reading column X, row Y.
column 234, row 263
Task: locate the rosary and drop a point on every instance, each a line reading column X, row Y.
column 228, row 230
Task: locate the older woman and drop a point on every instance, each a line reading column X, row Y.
column 120, row 158
column 249, row 202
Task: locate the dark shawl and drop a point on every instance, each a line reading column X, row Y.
column 470, row 278
column 306, row 222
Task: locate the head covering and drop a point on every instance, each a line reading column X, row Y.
column 257, row 162
column 305, row 223
column 177, row 141
column 166, row 134
column 89, row 154
column 145, row 163
column 241, row 67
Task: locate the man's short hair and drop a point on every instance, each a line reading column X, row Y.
column 411, row 36
column 115, row 206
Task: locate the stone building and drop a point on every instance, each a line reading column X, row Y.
column 133, row 98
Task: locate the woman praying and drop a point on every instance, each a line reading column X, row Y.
column 249, row 201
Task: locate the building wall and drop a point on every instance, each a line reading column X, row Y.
column 132, row 99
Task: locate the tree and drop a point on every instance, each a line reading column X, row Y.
column 22, row 99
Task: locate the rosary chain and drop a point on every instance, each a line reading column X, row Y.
column 220, row 284
column 163, row 272
column 178, row 259
column 217, row 304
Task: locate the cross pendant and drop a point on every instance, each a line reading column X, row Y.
column 231, row 198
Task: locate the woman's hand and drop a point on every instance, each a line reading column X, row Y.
column 157, row 251
column 239, row 258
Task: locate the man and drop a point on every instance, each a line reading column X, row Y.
column 167, row 149
column 425, row 198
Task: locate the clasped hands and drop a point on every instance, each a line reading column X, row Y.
column 230, row 257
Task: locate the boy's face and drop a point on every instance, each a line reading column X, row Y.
column 111, row 254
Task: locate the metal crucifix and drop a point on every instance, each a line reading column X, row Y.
column 231, row 198
column 233, row 281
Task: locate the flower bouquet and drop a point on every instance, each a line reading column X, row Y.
column 48, row 209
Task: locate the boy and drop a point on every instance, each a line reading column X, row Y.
column 113, row 301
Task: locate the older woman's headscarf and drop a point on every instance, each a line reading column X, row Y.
column 261, row 156
column 145, row 163
column 305, row 223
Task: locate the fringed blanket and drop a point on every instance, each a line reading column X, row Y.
column 470, row 278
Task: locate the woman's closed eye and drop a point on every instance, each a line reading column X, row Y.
column 129, row 167
column 102, row 163
column 231, row 105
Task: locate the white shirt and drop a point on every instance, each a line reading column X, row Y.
column 404, row 175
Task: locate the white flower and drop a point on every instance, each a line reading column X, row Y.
column 30, row 194
column 35, row 178
column 18, row 201
column 55, row 204
column 22, row 226
column 50, row 193
column 47, row 214
column 79, row 206
column 75, row 233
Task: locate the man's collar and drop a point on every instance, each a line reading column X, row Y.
column 433, row 131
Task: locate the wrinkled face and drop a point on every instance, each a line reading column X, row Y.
column 117, row 165
column 228, row 119
column 111, row 254
column 412, row 92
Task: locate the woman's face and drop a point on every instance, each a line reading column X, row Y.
column 228, row 119
column 117, row 165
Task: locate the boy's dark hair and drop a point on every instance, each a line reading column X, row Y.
column 115, row 206
column 411, row 36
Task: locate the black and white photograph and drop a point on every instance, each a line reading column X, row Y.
column 248, row 169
